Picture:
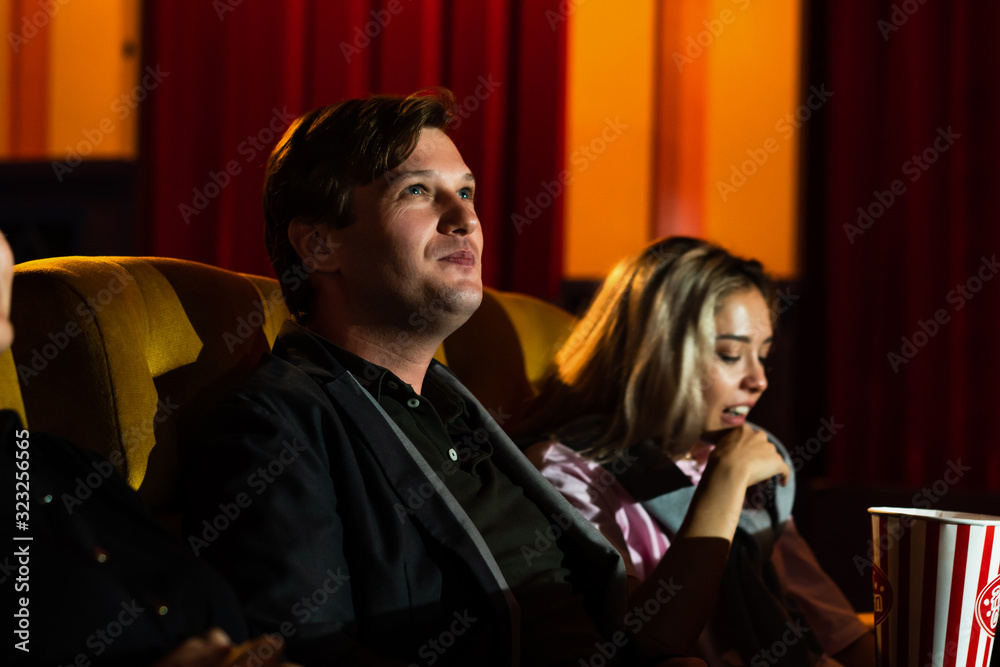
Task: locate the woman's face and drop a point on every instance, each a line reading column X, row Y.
column 735, row 377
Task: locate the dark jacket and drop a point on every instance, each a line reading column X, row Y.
column 95, row 578
column 336, row 533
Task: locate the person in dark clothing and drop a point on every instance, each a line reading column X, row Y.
column 91, row 577
column 385, row 517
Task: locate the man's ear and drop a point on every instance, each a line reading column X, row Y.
column 314, row 244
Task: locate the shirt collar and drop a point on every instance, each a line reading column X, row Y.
column 378, row 380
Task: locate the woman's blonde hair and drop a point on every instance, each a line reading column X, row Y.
column 640, row 355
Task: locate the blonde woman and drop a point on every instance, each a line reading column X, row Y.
column 645, row 423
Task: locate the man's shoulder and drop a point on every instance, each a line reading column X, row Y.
column 295, row 370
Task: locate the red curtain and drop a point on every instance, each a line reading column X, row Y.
column 904, row 239
column 234, row 74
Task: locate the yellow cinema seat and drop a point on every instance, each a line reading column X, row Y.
column 10, row 392
column 111, row 351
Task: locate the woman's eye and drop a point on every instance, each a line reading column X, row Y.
column 728, row 359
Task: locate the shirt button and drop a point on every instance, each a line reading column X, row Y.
column 453, row 454
column 393, row 385
column 413, row 402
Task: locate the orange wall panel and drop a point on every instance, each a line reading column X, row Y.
column 752, row 152
column 95, row 63
column 68, row 75
column 609, row 134
column 714, row 82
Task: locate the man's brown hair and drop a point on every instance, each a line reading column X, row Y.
column 324, row 155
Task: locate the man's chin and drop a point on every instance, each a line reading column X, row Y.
column 464, row 300
column 449, row 308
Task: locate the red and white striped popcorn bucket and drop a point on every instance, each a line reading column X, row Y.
column 936, row 586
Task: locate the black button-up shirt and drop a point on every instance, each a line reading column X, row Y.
column 554, row 625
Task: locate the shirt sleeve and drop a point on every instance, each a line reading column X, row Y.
column 825, row 607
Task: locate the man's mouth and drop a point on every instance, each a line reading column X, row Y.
column 461, row 257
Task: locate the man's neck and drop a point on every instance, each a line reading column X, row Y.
column 408, row 357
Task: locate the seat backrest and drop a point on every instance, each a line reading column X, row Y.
column 110, row 351
column 503, row 352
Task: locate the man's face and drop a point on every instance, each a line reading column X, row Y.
column 412, row 258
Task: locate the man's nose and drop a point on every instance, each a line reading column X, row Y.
column 458, row 216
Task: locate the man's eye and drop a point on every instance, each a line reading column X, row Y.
column 415, row 189
column 466, row 193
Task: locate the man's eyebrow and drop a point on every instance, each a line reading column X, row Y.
column 394, row 176
column 741, row 339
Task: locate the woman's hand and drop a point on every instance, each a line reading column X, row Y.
column 697, row 556
column 745, row 456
